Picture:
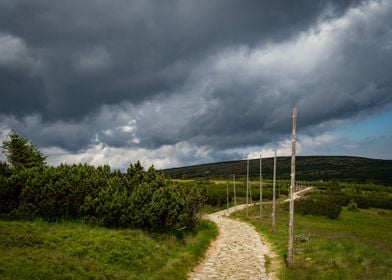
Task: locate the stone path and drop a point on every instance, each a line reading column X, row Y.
column 238, row 252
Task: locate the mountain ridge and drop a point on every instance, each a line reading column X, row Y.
column 345, row 168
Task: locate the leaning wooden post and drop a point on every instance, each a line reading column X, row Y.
column 247, row 187
column 292, row 184
column 273, row 194
column 235, row 198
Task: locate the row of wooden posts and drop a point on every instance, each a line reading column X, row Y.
column 249, row 190
column 293, row 187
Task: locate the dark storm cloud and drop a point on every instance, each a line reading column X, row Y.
column 202, row 77
column 16, row 87
column 70, row 136
column 339, row 70
column 104, row 52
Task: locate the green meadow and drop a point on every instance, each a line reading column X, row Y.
column 72, row 250
column 356, row 245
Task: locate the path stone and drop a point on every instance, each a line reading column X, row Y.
column 238, row 252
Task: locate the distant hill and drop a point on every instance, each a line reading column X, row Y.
column 354, row 169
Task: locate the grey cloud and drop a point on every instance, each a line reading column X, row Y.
column 70, row 136
column 215, row 74
column 354, row 78
column 17, row 87
column 137, row 49
column 18, row 79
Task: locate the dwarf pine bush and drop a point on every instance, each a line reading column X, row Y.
column 137, row 198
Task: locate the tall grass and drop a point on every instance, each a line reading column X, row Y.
column 356, row 245
column 69, row 250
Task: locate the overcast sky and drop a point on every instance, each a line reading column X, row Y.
column 180, row 82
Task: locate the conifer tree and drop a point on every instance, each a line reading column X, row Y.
column 22, row 154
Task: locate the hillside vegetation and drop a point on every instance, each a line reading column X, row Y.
column 50, row 220
column 310, row 168
column 50, row 217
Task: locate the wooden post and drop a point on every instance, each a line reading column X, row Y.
column 247, row 187
column 273, row 194
column 250, row 184
column 261, row 189
column 292, row 184
column 235, row 198
column 227, row 197
column 250, row 192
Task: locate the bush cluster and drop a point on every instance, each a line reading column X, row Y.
column 217, row 195
column 137, row 198
column 363, row 201
column 146, row 200
column 364, row 195
column 328, row 206
column 374, row 201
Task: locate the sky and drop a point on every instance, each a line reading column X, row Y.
column 183, row 82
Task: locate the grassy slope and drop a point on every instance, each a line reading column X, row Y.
column 357, row 245
column 39, row 250
column 308, row 168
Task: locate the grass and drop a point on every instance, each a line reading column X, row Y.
column 70, row 250
column 357, row 245
column 267, row 263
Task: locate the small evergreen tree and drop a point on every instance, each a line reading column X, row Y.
column 21, row 154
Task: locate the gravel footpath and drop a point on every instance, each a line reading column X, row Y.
column 237, row 253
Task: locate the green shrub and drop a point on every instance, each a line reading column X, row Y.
column 217, row 195
column 360, row 200
column 380, row 202
column 157, row 208
column 328, row 206
column 138, row 198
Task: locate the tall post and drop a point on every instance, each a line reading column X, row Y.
column 273, row 194
column 261, row 189
column 235, row 198
column 250, row 191
column 227, row 197
column 292, row 184
column 247, row 187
